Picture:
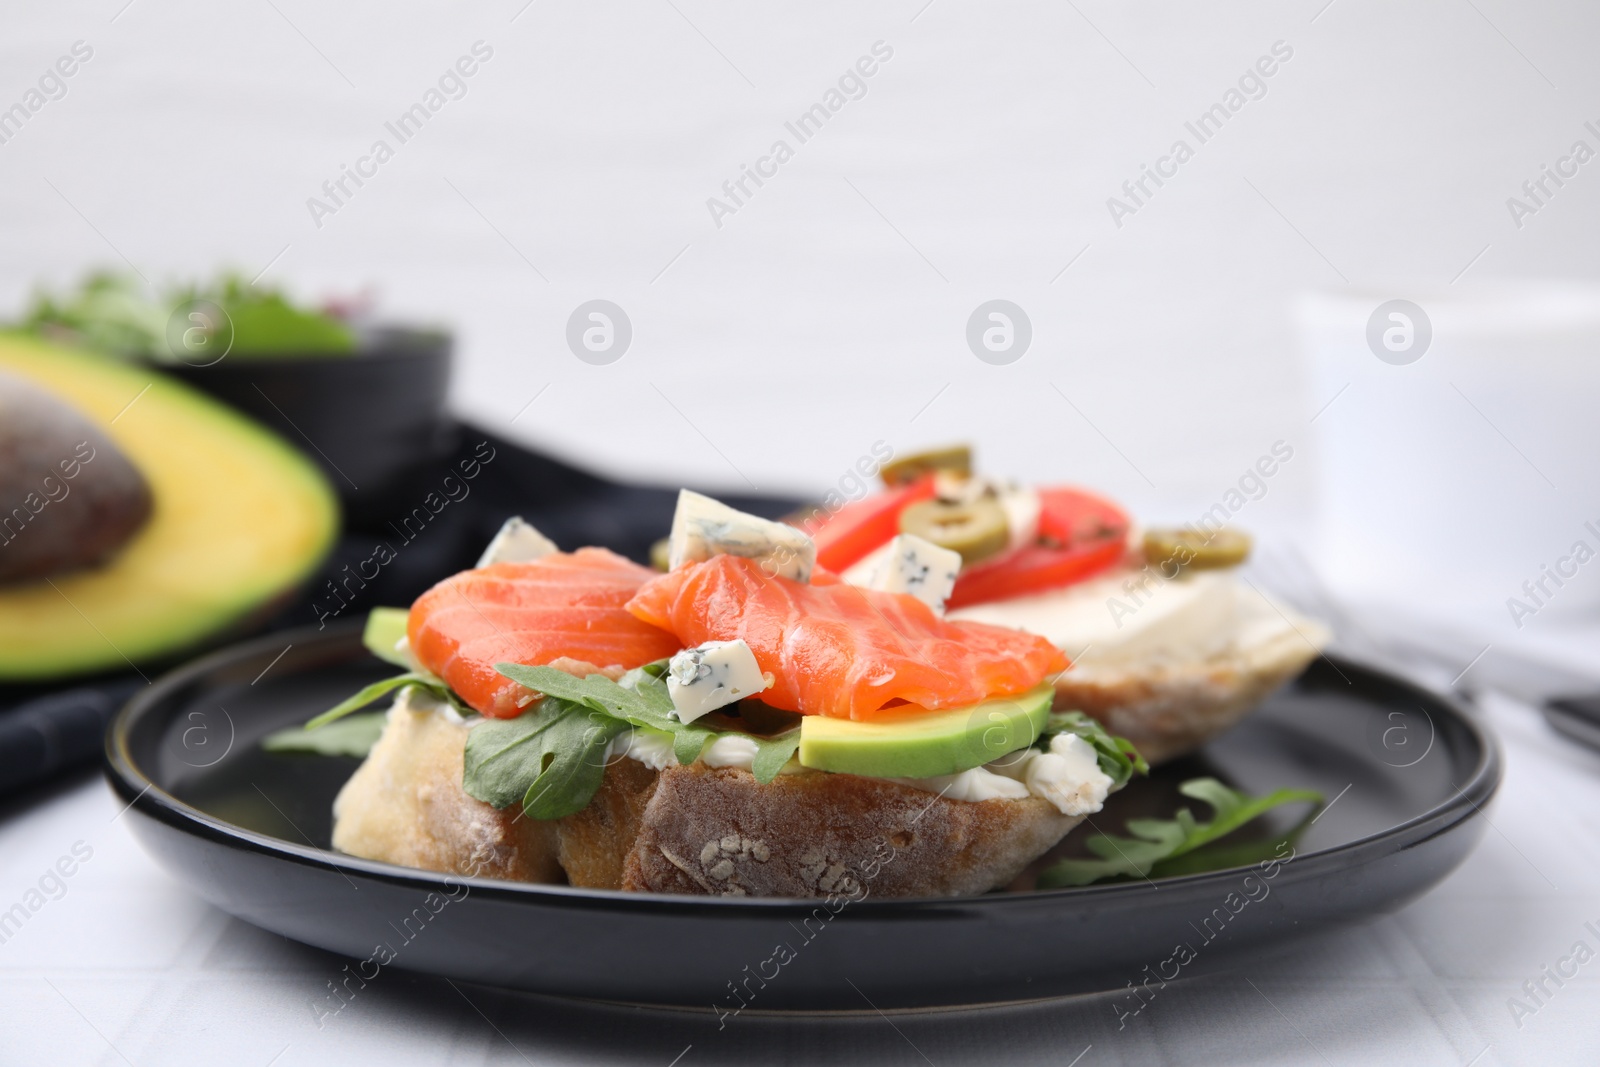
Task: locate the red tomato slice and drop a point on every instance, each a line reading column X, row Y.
column 846, row 536
column 1079, row 536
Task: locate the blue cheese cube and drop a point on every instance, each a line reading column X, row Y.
column 517, row 542
column 703, row 527
column 712, row 676
column 918, row 566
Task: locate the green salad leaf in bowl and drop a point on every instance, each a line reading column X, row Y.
column 118, row 315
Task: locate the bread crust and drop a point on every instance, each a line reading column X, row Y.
column 720, row 832
column 691, row 830
column 1168, row 709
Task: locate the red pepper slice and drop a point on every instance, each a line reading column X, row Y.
column 849, row 534
column 1080, row 535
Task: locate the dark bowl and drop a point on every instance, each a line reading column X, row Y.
column 373, row 420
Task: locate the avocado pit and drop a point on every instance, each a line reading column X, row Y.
column 69, row 498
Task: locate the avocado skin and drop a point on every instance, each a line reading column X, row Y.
column 69, row 498
column 924, row 744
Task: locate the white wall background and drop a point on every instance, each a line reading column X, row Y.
column 831, row 309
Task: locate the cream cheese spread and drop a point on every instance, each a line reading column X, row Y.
column 1132, row 616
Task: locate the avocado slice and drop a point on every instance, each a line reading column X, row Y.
column 921, row 744
column 385, row 627
column 238, row 519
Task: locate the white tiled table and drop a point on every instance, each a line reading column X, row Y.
column 129, row 967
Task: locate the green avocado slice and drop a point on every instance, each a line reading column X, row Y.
column 922, row 744
column 385, row 627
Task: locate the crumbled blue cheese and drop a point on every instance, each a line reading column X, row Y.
column 517, row 542
column 703, row 527
column 918, row 566
column 712, row 676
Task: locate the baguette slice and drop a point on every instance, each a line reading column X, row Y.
column 1170, row 708
column 1199, row 655
column 693, row 830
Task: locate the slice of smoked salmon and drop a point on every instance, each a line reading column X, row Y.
column 842, row 651
column 562, row 606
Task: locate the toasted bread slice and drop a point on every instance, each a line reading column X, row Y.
column 694, row 829
column 405, row 805
column 1169, row 708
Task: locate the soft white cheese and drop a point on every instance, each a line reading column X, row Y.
column 703, row 527
column 1021, row 506
column 1129, row 616
column 917, row 566
column 517, row 542
column 978, row 783
column 415, row 700
column 712, row 676
column 1068, row 776
column 730, row 750
column 653, row 748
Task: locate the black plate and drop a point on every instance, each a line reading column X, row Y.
column 1406, row 774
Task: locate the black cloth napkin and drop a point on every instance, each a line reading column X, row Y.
column 46, row 731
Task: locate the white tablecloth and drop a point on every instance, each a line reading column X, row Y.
column 128, row 967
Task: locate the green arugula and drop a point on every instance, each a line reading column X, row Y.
column 353, row 736
column 380, row 689
column 552, row 758
column 640, row 698
column 1116, row 755
column 1158, row 840
column 381, row 636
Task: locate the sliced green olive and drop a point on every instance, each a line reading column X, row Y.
column 1195, row 549
column 660, row 553
column 956, row 459
column 976, row 529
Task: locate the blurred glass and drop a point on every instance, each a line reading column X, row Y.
column 1458, row 448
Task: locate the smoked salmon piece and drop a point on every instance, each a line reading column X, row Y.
column 562, row 606
column 838, row 650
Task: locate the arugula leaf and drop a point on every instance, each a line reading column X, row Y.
column 1227, row 852
column 646, row 704
column 1116, row 755
column 384, row 630
column 1156, row 840
column 641, row 699
column 378, row 690
column 772, row 753
column 385, row 627
column 353, row 736
column 551, row 758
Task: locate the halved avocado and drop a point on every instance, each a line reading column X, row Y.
column 918, row 743
column 239, row 519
